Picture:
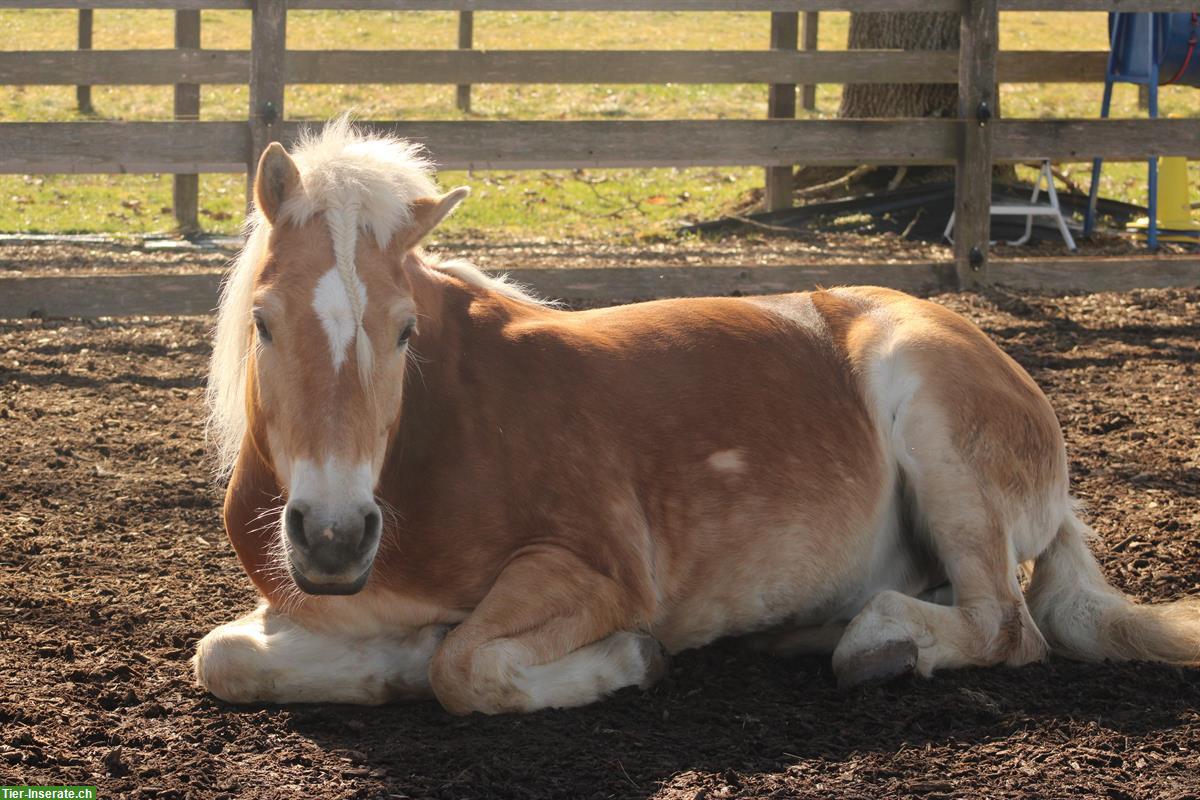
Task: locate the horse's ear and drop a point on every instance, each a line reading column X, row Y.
column 427, row 212
column 276, row 178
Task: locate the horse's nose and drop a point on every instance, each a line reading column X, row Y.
column 331, row 553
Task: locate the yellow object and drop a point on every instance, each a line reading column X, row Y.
column 1174, row 205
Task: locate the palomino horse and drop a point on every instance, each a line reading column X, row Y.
column 440, row 484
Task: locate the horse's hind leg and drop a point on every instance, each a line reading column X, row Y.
column 896, row 633
column 269, row 657
column 988, row 622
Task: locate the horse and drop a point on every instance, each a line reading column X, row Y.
column 441, row 484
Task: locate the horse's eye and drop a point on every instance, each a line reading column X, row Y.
column 407, row 333
column 261, row 325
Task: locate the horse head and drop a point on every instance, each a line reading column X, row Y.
column 327, row 320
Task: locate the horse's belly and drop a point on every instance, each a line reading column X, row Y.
column 792, row 576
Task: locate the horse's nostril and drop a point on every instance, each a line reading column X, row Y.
column 293, row 523
column 373, row 524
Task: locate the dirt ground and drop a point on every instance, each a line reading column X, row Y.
column 113, row 565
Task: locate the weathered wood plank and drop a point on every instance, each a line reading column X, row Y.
column 168, row 4
column 172, row 295
column 614, row 67
column 83, row 92
column 637, row 5
column 109, row 295
column 780, row 66
column 1051, row 66
column 1104, row 274
column 466, row 36
column 781, row 104
column 189, row 65
column 176, row 295
column 977, row 105
column 626, row 5
column 268, row 47
column 47, row 147
column 607, row 143
column 744, row 5
column 186, row 188
column 91, row 147
column 1080, row 140
column 812, row 23
column 124, row 67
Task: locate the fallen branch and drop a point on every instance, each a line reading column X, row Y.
column 908, row 228
column 753, row 223
column 852, row 175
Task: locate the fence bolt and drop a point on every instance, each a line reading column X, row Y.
column 270, row 113
column 983, row 112
column 975, row 258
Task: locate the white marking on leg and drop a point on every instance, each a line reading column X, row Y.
column 332, row 304
column 269, row 657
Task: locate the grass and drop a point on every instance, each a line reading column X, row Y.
column 599, row 204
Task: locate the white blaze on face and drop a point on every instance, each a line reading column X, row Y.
column 332, row 304
column 331, row 488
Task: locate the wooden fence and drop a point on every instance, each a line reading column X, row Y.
column 973, row 141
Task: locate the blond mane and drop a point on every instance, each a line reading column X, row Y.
column 468, row 273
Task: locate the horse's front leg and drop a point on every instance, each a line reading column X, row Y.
column 551, row 633
column 271, row 657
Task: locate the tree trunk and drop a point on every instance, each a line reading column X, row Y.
column 892, row 31
column 901, row 31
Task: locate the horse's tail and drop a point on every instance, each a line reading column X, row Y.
column 1083, row 617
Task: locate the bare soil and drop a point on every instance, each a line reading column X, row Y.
column 114, row 564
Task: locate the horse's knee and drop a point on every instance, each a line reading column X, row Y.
column 227, row 664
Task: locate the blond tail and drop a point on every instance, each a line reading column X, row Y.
column 1083, row 617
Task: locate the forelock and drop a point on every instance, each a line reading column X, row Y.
column 348, row 169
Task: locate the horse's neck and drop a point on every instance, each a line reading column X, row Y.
column 459, row 326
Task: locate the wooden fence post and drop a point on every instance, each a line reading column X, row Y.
column 268, row 46
column 466, row 34
column 781, row 104
column 808, row 92
column 83, row 94
column 187, row 107
column 973, row 172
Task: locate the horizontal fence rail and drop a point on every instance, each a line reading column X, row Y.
column 620, row 5
column 163, row 67
column 167, row 294
column 147, row 147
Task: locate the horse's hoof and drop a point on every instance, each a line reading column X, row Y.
column 877, row 665
column 657, row 660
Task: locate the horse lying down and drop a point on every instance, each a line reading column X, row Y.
column 441, row 485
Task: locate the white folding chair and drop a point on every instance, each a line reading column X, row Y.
column 1030, row 210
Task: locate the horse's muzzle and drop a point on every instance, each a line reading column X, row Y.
column 331, row 555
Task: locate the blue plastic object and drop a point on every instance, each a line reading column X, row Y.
column 1171, row 38
column 1151, row 49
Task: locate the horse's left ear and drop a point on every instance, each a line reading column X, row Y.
column 276, row 178
column 428, row 212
